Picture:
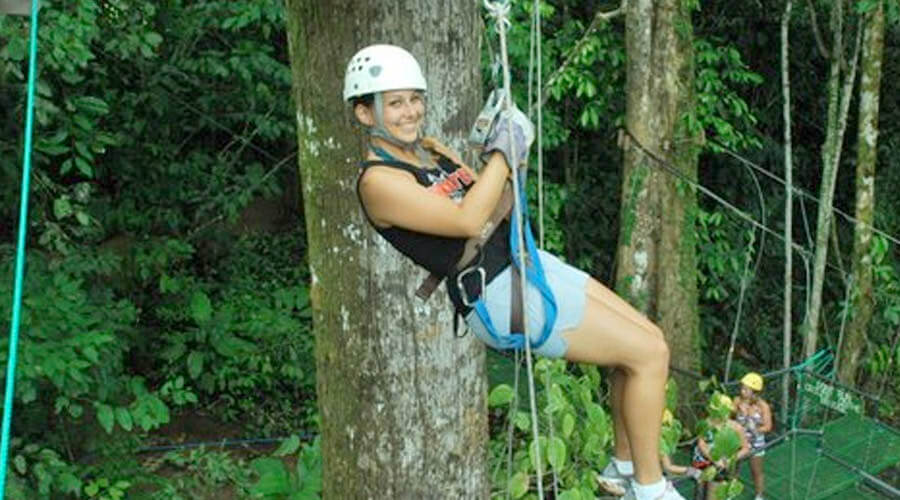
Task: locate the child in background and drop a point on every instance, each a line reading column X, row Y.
column 719, row 447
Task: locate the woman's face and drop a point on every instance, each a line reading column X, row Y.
column 404, row 111
column 747, row 393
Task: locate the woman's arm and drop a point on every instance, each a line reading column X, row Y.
column 703, row 446
column 745, row 444
column 672, row 468
column 767, row 423
column 394, row 198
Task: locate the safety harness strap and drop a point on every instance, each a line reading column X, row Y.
column 535, row 275
column 473, row 245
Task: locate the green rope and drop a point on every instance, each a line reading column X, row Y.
column 20, row 253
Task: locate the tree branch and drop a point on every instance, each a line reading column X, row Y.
column 820, row 43
column 576, row 49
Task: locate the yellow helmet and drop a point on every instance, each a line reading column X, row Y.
column 753, row 380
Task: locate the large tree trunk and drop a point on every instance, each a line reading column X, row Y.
column 402, row 400
column 656, row 268
column 866, row 156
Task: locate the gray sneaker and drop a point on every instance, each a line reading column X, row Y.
column 670, row 493
column 613, row 481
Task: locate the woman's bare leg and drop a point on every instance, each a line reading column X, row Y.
column 613, row 333
column 756, row 467
column 594, row 289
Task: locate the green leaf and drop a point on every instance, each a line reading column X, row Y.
column 92, row 489
column 518, row 485
column 288, row 447
column 571, row 494
column 62, row 207
column 123, row 417
column 725, row 444
column 195, row 364
column 273, row 478
column 90, row 352
column 568, row 425
column 20, row 464
column 522, row 421
column 501, row 395
column 69, row 483
column 83, row 122
column 84, row 167
column 16, row 48
column 83, row 218
column 105, row 416
column 92, row 104
column 201, row 307
column 556, row 453
column 533, row 454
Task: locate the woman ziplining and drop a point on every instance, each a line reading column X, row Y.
column 430, row 206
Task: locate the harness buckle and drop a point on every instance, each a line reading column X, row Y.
column 461, row 284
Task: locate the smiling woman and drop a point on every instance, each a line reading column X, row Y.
column 431, row 207
column 403, row 116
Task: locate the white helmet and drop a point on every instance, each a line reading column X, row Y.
column 377, row 68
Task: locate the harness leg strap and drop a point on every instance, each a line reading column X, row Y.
column 516, row 323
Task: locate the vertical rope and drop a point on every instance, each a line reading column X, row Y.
column 745, row 278
column 540, row 126
column 837, row 349
column 500, row 11
column 513, row 409
column 536, row 69
column 20, row 252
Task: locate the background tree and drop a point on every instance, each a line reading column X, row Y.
column 656, row 256
column 841, row 78
column 402, row 400
column 863, row 302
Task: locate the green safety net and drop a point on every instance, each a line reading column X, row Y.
column 830, row 447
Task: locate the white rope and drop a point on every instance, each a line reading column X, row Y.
column 745, row 278
column 500, row 12
column 535, row 70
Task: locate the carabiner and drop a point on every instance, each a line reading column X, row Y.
column 464, row 295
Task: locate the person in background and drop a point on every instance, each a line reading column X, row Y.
column 706, row 456
column 755, row 416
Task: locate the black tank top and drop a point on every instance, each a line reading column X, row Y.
column 440, row 254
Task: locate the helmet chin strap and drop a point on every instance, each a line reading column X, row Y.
column 380, row 131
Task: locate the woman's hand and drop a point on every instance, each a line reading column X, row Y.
column 511, row 135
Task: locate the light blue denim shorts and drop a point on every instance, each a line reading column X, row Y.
column 568, row 286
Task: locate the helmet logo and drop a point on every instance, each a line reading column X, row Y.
column 375, row 71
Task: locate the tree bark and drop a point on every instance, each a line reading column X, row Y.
column 656, row 268
column 402, row 401
column 866, row 159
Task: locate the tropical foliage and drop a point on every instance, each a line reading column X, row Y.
column 166, row 274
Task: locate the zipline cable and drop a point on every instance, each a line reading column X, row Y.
column 20, row 251
column 802, row 193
